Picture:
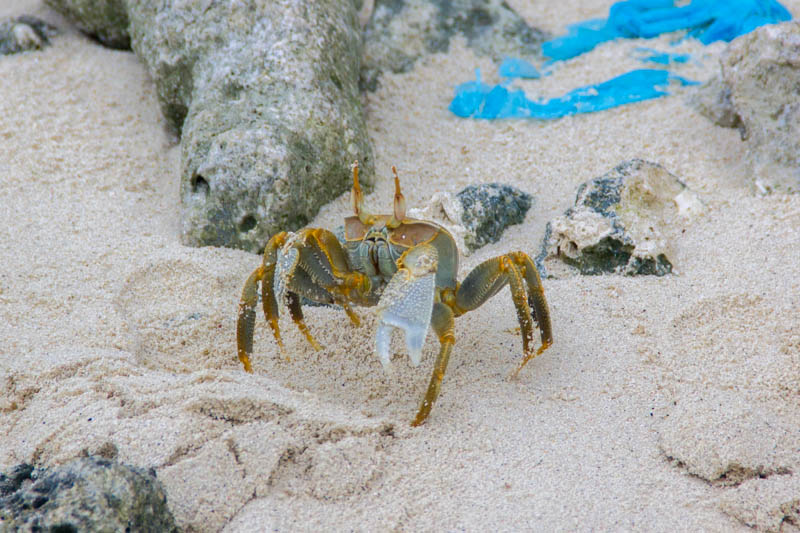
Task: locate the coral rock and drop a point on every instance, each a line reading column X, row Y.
column 622, row 222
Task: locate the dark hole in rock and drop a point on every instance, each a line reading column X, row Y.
column 200, row 185
column 39, row 501
column 64, row 528
column 247, row 223
column 478, row 18
column 336, row 81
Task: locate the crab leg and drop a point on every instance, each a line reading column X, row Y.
column 541, row 313
column 245, row 323
column 296, row 312
column 442, row 323
column 517, row 270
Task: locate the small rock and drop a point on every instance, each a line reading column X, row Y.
column 623, row 222
column 24, row 33
column 477, row 215
column 87, row 494
column 401, row 31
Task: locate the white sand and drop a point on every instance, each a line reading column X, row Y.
column 113, row 332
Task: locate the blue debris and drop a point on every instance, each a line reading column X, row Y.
column 517, row 68
column 706, row 20
column 648, row 55
column 479, row 100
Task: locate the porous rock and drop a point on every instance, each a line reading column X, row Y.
column 265, row 97
column 759, row 92
column 87, row 494
column 623, row 222
column 478, row 214
column 24, row 33
column 401, row 31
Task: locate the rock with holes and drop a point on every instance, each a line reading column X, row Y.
column 87, row 494
column 401, row 31
column 478, row 214
column 265, row 96
column 24, row 33
column 623, row 222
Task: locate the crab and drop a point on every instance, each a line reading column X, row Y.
column 405, row 267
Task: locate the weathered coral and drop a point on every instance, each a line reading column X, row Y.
column 265, row 97
column 87, row 494
column 622, row 222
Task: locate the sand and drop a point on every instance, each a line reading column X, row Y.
column 665, row 404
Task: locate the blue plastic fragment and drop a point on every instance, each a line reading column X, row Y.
column 648, row 55
column 707, row 20
column 479, row 100
column 517, row 68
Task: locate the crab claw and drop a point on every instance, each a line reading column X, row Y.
column 407, row 303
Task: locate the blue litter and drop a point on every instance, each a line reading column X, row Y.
column 479, row 100
column 648, row 55
column 707, row 20
column 517, row 68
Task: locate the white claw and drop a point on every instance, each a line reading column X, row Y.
column 382, row 340
column 415, row 340
column 407, row 304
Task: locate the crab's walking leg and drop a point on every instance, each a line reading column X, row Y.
column 442, row 323
column 517, row 270
column 296, row 312
column 245, row 323
column 536, row 300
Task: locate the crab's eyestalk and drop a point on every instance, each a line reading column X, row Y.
column 399, row 210
column 357, row 198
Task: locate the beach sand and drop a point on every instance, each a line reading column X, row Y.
column 665, row 404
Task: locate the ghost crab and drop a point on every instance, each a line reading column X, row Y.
column 405, row 267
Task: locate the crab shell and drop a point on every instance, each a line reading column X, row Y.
column 375, row 249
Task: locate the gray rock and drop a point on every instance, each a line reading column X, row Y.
column 488, row 209
column 623, row 222
column 24, row 33
column 478, row 215
column 104, row 20
column 265, row 96
column 401, row 31
column 87, row 494
column 762, row 71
